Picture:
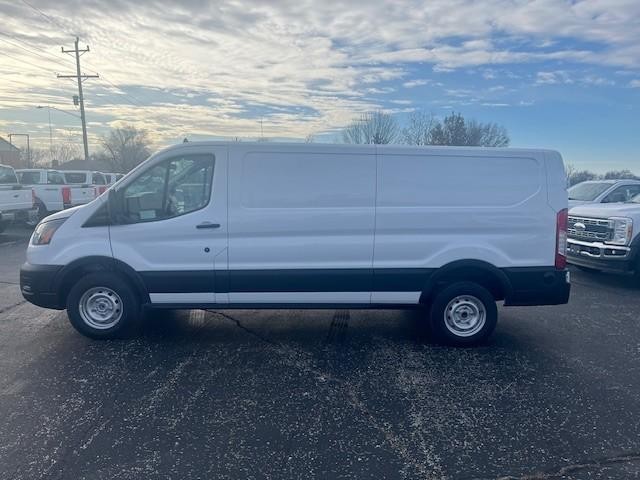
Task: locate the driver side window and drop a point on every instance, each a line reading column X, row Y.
column 174, row 187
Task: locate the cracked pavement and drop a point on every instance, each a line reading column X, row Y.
column 332, row 394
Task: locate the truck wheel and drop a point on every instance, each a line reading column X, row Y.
column 463, row 314
column 102, row 306
column 42, row 210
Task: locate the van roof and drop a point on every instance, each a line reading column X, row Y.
column 220, row 143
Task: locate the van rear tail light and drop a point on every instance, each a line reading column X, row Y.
column 561, row 239
column 66, row 195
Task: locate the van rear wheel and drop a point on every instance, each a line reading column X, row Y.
column 102, row 305
column 463, row 314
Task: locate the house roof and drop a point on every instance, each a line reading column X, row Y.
column 94, row 165
column 7, row 147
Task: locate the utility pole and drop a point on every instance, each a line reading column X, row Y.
column 48, row 107
column 78, row 53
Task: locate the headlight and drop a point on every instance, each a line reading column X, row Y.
column 44, row 231
column 622, row 230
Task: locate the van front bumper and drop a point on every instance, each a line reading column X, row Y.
column 37, row 285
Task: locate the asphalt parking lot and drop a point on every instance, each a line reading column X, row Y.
column 322, row 394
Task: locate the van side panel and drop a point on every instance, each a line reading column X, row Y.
column 309, row 211
column 436, row 206
column 556, row 181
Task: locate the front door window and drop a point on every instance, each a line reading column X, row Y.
column 174, row 187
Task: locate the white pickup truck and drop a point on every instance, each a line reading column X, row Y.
column 51, row 191
column 603, row 191
column 605, row 237
column 16, row 201
column 113, row 177
column 96, row 182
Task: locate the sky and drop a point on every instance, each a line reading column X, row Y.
column 557, row 74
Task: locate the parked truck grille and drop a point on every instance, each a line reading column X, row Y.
column 590, row 229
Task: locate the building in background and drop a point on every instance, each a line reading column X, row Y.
column 80, row 164
column 9, row 154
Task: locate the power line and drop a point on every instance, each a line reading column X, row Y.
column 49, row 19
column 133, row 100
column 28, row 63
column 50, row 59
column 136, row 102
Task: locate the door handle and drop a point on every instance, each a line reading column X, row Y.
column 208, row 225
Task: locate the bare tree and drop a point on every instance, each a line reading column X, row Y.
column 64, row 152
column 582, row 176
column 419, row 130
column 372, row 128
column 39, row 157
column 126, row 147
column 486, row 134
column 311, row 138
column 456, row 130
column 569, row 171
column 620, row 174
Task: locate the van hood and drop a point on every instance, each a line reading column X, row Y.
column 605, row 210
column 62, row 214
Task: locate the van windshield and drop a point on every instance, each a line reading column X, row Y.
column 7, row 175
column 587, row 191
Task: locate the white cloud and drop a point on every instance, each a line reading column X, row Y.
column 552, row 78
column 634, row 83
column 489, row 74
column 597, row 81
column 310, row 67
column 416, row 83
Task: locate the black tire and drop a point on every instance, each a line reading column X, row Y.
column 42, row 214
column 42, row 210
column 636, row 270
column 469, row 299
column 110, row 289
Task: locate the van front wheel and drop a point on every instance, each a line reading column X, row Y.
column 102, row 306
column 463, row 314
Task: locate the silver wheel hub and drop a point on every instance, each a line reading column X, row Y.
column 100, row 308
column 465, row 315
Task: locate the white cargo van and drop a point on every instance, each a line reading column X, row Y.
column 229, row 225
